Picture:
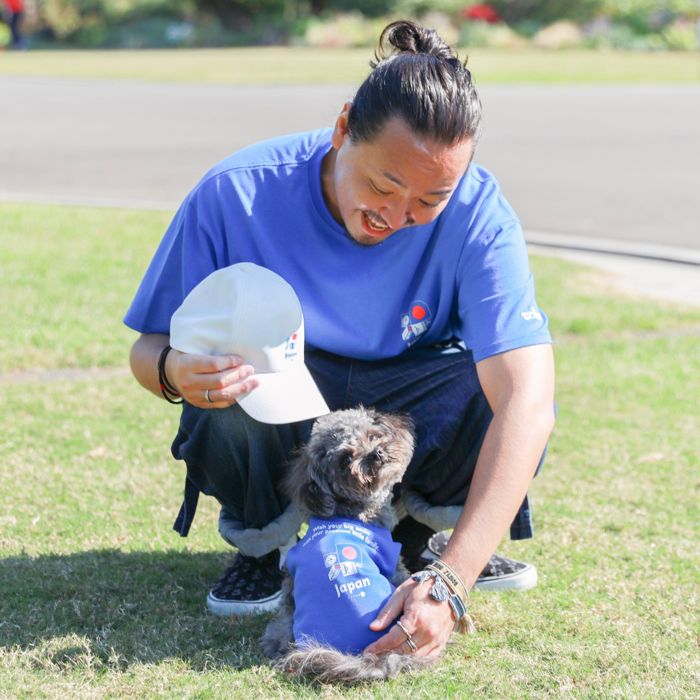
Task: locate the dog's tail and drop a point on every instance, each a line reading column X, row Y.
column 329, row 665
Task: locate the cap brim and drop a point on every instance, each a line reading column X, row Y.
column 284, row 397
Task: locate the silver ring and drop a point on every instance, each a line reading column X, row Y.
column 207, row 397
column 409, row 640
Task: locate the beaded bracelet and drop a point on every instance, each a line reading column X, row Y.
column 451, row 576
column 442, row 591
column 166, row 388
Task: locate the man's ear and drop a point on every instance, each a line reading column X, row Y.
column 340, row 130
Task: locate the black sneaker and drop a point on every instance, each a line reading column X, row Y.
column 413, row 538
column 249, row 585
column 500, row 574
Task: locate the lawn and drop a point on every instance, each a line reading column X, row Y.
column 286, row 65
column 101, row 599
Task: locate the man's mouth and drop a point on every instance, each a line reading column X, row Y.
column 374, row 223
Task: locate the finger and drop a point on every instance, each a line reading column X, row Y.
column 218, row 380
column 393, row 640
column 392, row 609
column 223, row 398
column 209, row 364
column 430, row 653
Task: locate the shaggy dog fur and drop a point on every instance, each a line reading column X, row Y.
column 347, row 470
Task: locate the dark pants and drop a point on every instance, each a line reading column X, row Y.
column 15, row 20
column 240, row 461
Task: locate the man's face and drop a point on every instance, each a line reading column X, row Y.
column 398, row 179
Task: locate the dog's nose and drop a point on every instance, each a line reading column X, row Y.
column 377, row 456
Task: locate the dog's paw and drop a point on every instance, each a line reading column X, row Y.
column 277, row 638
column 274, row 648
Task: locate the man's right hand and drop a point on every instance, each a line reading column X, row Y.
column 226, row 376
column 209, row 381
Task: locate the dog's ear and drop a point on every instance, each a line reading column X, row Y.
column 303, row 491
column 399, row 421
column 401, row 425
column 316, row 500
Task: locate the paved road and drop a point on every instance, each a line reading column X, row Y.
column 612, row 162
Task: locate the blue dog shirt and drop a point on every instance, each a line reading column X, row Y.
column 341, row 571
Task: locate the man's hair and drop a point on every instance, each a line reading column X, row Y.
column 417, row 77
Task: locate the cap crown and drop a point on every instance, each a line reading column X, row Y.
column 243, row 309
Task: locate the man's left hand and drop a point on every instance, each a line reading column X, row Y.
column 429, row 623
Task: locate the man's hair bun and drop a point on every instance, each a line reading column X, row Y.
column 418, row 78
column 405, row 36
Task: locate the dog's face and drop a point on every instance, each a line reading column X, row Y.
column 352, row 459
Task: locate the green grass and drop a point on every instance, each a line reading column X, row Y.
column 101, row 599
column 275, row 65
column 67, row 277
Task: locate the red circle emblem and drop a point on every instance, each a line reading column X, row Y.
column 349, row 553
column 418, row 312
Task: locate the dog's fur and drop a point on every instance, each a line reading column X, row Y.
column 347, row 469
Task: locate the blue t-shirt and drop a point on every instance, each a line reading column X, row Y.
column 341, row 573
column 465, row 276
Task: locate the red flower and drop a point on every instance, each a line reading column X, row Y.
column 481, row 12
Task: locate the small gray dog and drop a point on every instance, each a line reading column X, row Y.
column 346, row 567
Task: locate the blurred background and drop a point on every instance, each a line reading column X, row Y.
column 621, row 24
column 592, row 107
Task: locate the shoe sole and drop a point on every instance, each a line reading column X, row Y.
column 229, row 608
column 522, row 580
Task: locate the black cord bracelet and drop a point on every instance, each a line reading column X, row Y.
column 166, row 388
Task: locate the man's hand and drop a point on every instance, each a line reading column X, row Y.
column 429, row 623
column 223, row 378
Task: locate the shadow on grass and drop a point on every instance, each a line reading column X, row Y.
column 110, row 609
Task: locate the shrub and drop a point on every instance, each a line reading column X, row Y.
column 546, row 11
column 681, row 35
column 344, row 30
column 494, row 36
column 622, row 36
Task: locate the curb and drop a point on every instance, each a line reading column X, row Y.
column 90, row 202
column 608, row 246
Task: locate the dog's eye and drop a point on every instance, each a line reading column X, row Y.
column 346, row 459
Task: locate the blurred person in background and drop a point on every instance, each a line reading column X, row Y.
column 15, row 10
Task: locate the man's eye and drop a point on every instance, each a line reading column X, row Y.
column 429, row 205
column 378, row 191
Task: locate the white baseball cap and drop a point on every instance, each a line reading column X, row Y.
column 250, row 311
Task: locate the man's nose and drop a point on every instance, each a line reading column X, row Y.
column 397, row 216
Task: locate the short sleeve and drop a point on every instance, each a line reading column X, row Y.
column 187, row 253
column 497, row 309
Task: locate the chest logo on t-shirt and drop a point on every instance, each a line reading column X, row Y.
column 415, row 322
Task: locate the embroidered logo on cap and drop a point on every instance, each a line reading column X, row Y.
column 290, row 347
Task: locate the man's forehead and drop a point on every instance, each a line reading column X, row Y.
column 390, row 176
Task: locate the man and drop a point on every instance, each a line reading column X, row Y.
column 412, row 273
column 15, row 9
